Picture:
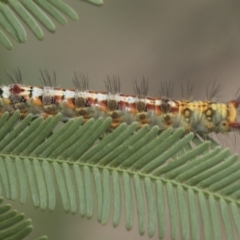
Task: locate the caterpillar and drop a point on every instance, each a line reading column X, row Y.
column 201, row 117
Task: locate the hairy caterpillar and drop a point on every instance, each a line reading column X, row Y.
column 201, row 117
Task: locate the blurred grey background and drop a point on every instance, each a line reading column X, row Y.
column 161, row 40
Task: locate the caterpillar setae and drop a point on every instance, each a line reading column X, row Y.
column 201, row 117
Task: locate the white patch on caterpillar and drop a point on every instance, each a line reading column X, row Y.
column 37, row 92
column 5, row 92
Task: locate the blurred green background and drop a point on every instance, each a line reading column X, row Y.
column 161, row 40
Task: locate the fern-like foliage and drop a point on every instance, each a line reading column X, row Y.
column 77, row 160
column 12, row 224
column 32, row 12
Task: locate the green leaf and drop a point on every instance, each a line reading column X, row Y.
column 12, row 19
column 27, row 18
column 13, row 226
column 86, row 161
column 32, row 12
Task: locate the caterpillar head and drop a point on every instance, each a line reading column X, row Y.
column 234, row 114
